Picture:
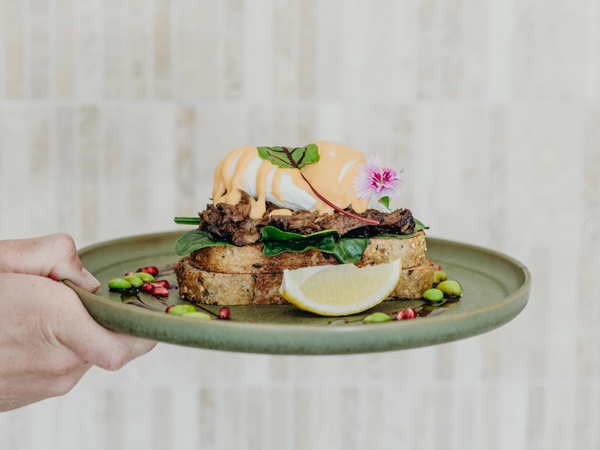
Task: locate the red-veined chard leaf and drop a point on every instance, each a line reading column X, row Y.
column 290, row 158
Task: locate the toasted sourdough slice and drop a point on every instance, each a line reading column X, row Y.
column 250, row 259
column 209, row 287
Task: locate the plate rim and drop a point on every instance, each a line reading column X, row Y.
column 521, row 293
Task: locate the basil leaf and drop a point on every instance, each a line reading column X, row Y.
column 290, row 158
column 385, row 201
column 195, row 240
column 350, row 250
column 276, row 241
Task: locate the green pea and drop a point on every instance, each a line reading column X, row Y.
column 180, row 310
column 450, row 288
column 145, row 277
column 197, row 315
column 439, row 276
column 433, row 295
column 134, row 280
column 377, row 318
column 119, row 283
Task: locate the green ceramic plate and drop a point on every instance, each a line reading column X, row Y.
column 495, row 290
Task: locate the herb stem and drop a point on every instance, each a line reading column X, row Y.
column 337, row 208
column 323, row 199
column 187, row 220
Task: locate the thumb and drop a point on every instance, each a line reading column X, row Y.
column 54, row 256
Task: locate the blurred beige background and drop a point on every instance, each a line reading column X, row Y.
column 114, row 113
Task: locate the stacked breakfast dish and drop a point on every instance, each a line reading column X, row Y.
column 279, row 208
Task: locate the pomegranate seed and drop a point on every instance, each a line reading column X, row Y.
column 406, row 314
column 151, row 270
column 437, row 267
column 169, row 309
column 224, row 314
column 161, row 283
column 175, row 266
column 160, row 292
column 148, row 287
column 131, row 272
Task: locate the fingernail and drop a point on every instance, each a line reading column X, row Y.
column 90, row 278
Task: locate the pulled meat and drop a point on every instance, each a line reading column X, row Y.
column 232, row 222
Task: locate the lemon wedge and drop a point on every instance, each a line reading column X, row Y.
column 340, row 290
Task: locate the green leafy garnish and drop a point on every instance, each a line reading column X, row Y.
column 346, row 251
column 385, row 201
column 290, row 158
column 419, row 226
column 350, row 250
column 276, row 241
column 195, row 240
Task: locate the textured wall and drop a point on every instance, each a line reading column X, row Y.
column 113, row 115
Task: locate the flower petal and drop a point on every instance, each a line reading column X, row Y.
column 374, row 181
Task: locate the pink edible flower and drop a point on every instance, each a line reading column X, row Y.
column 374, row 182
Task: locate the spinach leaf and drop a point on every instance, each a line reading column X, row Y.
column 350, row 250
column 346, row 251
column 276, row 241
column 272, row 233
column 418, row 227
column 195, row 240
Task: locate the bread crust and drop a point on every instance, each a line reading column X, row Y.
column 202, row 286
column 382, row 251
column 249, row 259
column 414, row 281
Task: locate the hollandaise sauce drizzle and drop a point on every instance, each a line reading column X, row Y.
column 332, row 175
column 328, row 203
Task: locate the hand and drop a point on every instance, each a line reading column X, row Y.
column 47, row 338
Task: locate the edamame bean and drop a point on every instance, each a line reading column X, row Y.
column 180, row 310
column 433, row 295
column 145, row 277
column 450, row 288
column 197, row 315
column 119, row 283
column 134, row 280
column 377, row 318
column 439, row 276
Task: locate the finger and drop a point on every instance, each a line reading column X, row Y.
column 54, row 256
